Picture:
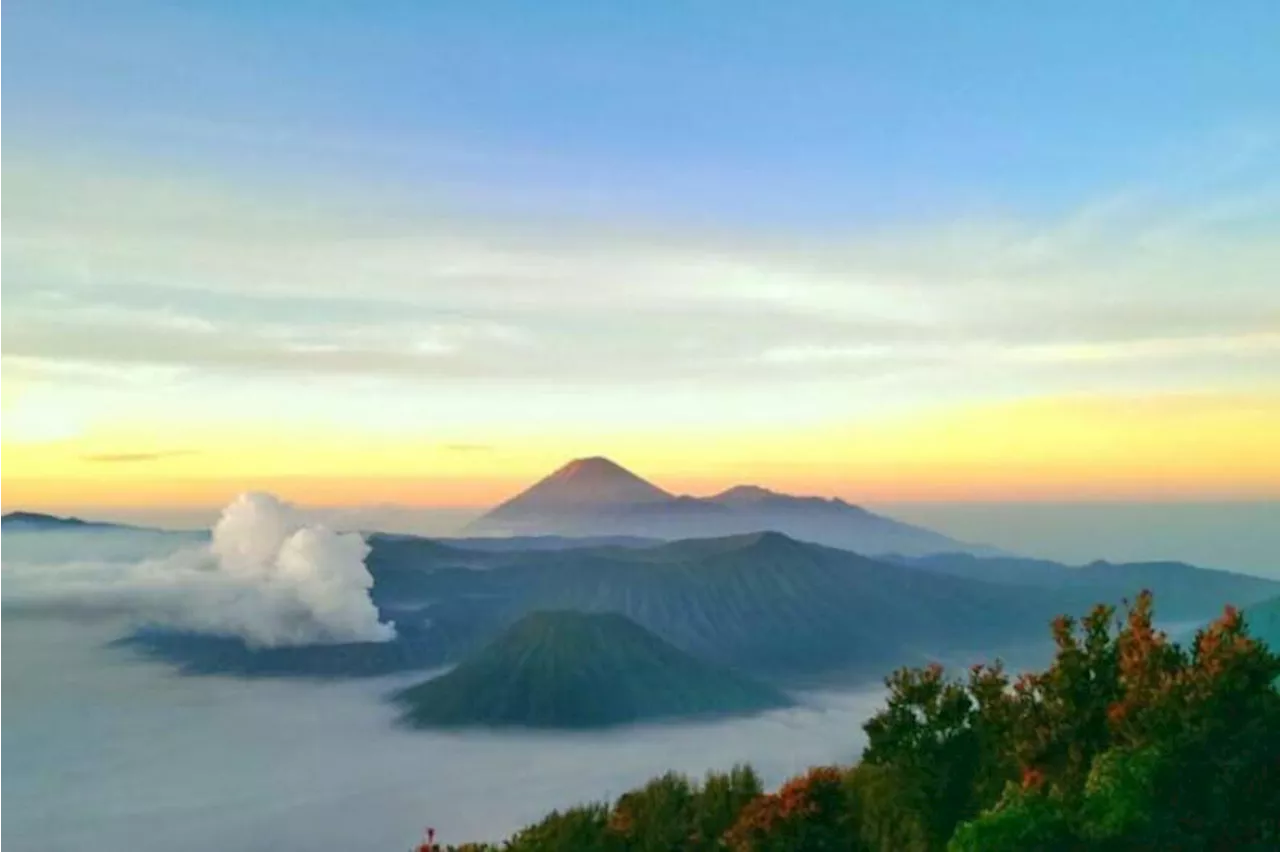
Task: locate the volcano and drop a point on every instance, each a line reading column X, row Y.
column 583, row 483
column 566, row 669
column 598, row 497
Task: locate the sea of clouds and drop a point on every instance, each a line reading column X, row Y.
column 109, row 750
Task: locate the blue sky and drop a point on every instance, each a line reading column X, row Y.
column 468, row 219
column 818, row 114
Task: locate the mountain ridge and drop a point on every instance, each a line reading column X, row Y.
column 592, row 480
column 598, row 497
column 766, row 604
column 20, row 520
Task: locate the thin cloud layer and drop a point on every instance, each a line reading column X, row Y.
column 130, row 458
column 214, row 282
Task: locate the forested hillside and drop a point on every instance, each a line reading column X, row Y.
column 1127, row 741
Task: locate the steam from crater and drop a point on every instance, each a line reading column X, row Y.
column 266, row 576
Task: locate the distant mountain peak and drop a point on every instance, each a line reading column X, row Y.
column 773, row 537
column 40, row 519
column 767, row 544
column 585, row 482
column 593, row 467
column 762, row 542
column 756, row 496
column 764, row 538
column 745, row 494
column 595, row 496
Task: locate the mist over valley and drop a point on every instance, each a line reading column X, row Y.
column 255, row 684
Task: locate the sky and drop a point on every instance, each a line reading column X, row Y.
column 422, row 253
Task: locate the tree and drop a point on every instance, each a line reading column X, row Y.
column 1025, row 820
column 582, row 829
column 875, row 800
column 1062, row 717
column 718, row 804
column 1129, row 741
column 944, row 743
column 657, row 817
column 808, row 814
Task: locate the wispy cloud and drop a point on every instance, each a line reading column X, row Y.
column 135, row 273
column 130, row 458
column 469, row 448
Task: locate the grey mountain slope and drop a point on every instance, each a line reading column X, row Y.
column 765, row 604
column 38, row 521
column 546, row 542
column 1181, row 590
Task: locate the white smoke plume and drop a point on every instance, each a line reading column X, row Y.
column 266, row 576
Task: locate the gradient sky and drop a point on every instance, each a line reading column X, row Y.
column 421, row 253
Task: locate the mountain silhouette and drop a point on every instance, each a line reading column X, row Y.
column 20, row 521
column 1180, row 588
column 597, row 497
column 583, row 483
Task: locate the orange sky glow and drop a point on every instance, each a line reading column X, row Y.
column 1169, row 447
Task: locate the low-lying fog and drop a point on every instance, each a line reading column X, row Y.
column 108, row 752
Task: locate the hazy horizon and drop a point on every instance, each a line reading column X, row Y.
column 1237, row 535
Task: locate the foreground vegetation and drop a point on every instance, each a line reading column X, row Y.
column 1127, row 741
